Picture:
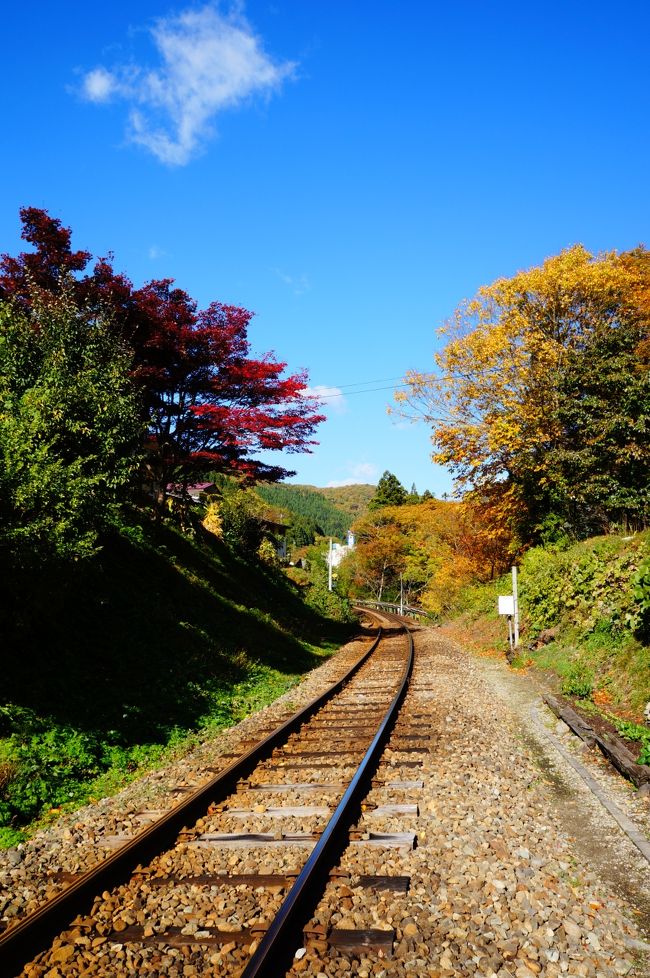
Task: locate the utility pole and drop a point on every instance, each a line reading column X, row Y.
column 329, row 567
column 515, row 595
column 401, row 595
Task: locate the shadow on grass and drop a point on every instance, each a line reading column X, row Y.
column 152, row 634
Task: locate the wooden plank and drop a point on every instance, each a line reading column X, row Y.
column 172, row 937
column 305, row 842
column 254, row 880
column 300, row 836
column 624, row 761
column 287, row 811
column 311, row 765
column 321, row 753
column 572, row 720
column 113, row 841
column 394, row 810
column 385, row 840
column 297, row 786
column 356, row 941
column 243, row 840
column 617, row 753
column 226, row 837
column 396, row 884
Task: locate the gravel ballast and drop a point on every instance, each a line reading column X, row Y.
column 497, row 888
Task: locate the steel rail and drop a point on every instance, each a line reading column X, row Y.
column 22, row 942
column 275, row 951
column 381, row 606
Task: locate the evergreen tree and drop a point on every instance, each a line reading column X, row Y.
column 413, row 496
column 389, row 492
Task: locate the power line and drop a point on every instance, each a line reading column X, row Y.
column 370, row 390
column 364, row 383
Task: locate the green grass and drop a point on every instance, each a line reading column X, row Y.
column 114, row 664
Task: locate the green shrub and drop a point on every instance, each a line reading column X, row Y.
column 11, row 837
column 641, row 593
column 579, row 682
column 48, row 769
column 592, row 585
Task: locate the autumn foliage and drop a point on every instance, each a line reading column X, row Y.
column 435, row 546
column 540, row 400
column 207, row 403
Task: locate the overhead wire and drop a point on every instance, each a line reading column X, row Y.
column 370, row 390
column 365, row 383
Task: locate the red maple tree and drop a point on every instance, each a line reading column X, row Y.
column 209, row 404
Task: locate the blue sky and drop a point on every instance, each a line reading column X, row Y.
column 348, row 170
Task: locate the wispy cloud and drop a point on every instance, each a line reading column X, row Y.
column 299, row 284
column 155, row 252
column 359, row 472
column 332, row 397
column 208, row 61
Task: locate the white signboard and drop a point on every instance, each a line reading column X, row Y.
column 506, row 604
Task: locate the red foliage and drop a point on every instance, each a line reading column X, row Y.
column 209, row 404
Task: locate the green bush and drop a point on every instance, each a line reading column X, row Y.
column 11, row 837
column 591, row 585
column 641, row 594
column 579, row 682
column 48, row 768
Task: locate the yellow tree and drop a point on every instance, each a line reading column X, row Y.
column 436, row 547
column 493, row 400
column 378, row 558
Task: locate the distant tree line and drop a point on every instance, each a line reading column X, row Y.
column 108, row 390
column 391, row 492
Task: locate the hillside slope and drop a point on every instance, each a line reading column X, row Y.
column 306, row 502
column 109, row 661
column 585, row 614
column 352, row 500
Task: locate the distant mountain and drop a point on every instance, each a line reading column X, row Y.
column 352, row 500
column 308, row 506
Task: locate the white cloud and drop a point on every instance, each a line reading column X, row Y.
column 98, row 85
column 365, row 471
column 155, row 252
column 208, row 62
column 332, row 397
column 299, row 284
column 360, row 472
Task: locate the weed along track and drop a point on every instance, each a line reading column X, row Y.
column 226, row 880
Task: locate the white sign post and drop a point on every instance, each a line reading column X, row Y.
column 515, row 614
column 507, row 608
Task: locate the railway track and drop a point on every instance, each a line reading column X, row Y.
column 227, row 879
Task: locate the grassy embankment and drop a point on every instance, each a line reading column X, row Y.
column 111, row 666
column 596, row 631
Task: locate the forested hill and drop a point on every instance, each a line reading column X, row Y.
column 332, row 510
column 353, row 499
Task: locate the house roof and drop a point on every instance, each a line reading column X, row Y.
column 195, row 487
